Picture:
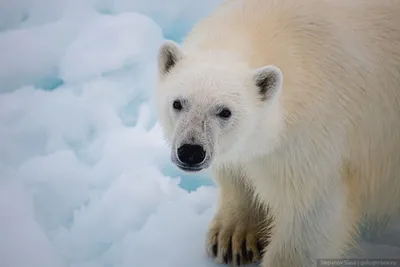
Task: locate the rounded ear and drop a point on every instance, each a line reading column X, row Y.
column 168, row 55
column 268, row 80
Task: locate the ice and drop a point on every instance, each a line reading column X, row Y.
column 23, row 241
column 85, row 175
column 107, row 44
column 27, row 13
column 30, row 55
column 175, row 17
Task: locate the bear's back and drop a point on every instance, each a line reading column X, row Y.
column 327, row 50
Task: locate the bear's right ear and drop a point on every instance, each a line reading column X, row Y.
column 168, row 55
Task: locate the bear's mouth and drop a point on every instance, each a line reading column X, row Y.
column 188, row 168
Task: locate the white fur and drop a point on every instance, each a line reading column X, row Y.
column 324, row 150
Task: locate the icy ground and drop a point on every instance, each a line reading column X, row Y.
column 85, row 177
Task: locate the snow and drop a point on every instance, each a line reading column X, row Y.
column 85, row 176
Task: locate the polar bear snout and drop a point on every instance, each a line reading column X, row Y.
column 191, row 155
column 193, row 142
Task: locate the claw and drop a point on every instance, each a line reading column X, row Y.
column 215, row 250
column 250, row 254
column 229, row 252
column 237, row 259
column 259, row 247
column 244, row 251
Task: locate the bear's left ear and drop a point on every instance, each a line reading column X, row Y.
column 268, row 80
column 168, row 55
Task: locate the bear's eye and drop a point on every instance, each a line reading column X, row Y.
column 225, row 113
column 177, row 105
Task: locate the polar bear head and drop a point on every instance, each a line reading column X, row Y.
column 214, row 110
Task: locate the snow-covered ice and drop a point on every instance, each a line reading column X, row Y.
column 85, row 176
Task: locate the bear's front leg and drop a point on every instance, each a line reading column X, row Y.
column 239, row 230
column 311, row 225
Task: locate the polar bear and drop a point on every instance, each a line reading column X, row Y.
column 295, row 107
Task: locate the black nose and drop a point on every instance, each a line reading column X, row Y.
column 191, row 154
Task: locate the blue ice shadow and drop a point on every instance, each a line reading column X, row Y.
column 49, row 83
column 189, row 182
